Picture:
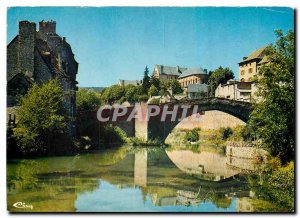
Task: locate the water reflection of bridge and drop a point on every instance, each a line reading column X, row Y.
column 180, row 177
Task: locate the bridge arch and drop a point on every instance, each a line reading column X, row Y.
column 159, row 130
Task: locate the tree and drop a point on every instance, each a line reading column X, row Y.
column 155, row 81
column 132, row 93
column 219, row 76
column 41, row 116
column 273, row 117
column 153, row 90
column 143, row 98
column 87, row 100
column 112, row 94
column 174, row 86
column 146, row 80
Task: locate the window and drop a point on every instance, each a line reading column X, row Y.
column 242, row 72
column 250, row 70
column 242, row 80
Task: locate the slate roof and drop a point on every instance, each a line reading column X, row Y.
column 192, row 71
column 167, row 70
column 197, row 88
column 259, row 53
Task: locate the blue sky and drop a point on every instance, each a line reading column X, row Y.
column 112, row 43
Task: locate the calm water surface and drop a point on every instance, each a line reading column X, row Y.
column 134, row 180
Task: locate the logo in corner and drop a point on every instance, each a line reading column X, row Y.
column 22, row 205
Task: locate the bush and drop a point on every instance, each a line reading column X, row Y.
column 192, row 135
column 226, row 133
column 87, row 100
column 154, row 101
column 174, row 85
column 132, row 92
column 84, row 143
column 43, row 121
column 241, row 133
column 143, row 98
column 152, row 91
column 278, row 186
column 113, row 135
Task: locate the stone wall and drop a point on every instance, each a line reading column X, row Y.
column 42, row 72
column 246, row 152
column 247, row 71
column 193, row 79
column 12, row 59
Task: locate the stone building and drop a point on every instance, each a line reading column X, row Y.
column 249, row 66
column 235, row 90
column 245, row 88
column 34, row 57
column 123, row 82
column 166, row 73
column 193, row 76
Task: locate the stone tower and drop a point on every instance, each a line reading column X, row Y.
column 27, row 36
column 46, row 28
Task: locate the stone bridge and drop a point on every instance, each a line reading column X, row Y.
column 157, row 128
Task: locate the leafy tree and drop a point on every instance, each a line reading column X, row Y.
column 153, row 90
column 155, row 81
column 273, row 117
column 219, row 76
column 192, row 135
column 112, row 94
column 226, row 132
column 87, row 100
column 132, row 93
column 117, row 92
column 105, row 95
column 41, row 116
column 174, row 85
column 146, row 80
column 142, row 98
column 155, row 101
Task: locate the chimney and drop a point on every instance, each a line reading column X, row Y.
column 48, row 27
column 205, row 71
column 161, row 69
column 27, row 34
column 177, row 69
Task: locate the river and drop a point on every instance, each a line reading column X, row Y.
column 134, row 180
